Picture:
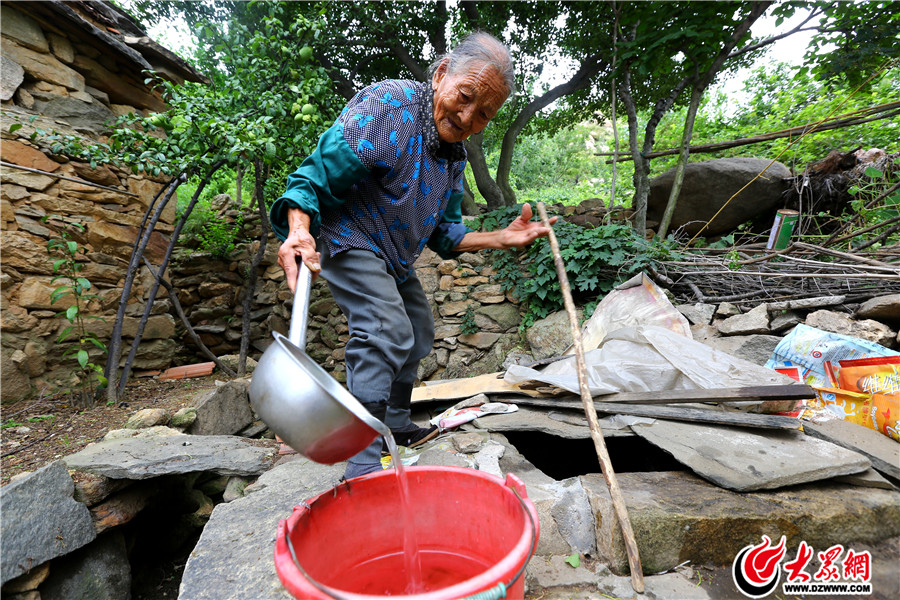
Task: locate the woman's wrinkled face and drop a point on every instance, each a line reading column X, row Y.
column 465, row 102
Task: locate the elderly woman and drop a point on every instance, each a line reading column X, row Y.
column 384, row 182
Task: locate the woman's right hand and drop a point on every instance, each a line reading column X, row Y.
column 299, row 242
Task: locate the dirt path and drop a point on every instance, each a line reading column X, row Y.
column 38, row 431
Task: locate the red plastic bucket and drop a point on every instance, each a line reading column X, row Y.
column 475, row 533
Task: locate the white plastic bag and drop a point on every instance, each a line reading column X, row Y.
column 648, row 358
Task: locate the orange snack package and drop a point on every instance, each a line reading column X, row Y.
column 878, row 377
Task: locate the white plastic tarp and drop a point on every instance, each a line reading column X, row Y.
column 647, row 358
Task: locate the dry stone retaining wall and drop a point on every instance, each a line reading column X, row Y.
column 65, row 73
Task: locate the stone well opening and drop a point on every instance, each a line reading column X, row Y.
column 561, row 458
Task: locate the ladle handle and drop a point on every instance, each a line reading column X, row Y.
column 297, row 333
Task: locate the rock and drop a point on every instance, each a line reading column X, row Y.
column 726, row 309
column 488, row 458
column 677, row 516
column 709, row 185
column 480, row 340
column 550, row 336
column 184, row 417
column 99, row 571
column 573, row 516
column 32, row 181
column 121, row 508
column 697, row 314
column 20, row 27
column 41, row 66
column 246, row 527
column 29, row 581
column 754, row 321
column 91, row 489
column 882, row 452
column 526, row 419
column 223, row 411
column 90, row 117
column 16, row 386
column 155, row 431
column 753, row 348
column 554, row 571
column 866, row 329
column 234, row 489
column 146, row 457
column 149, row 417
column 784, row 321
column 442, row 455
column 497, row 317
column 26, row 156
column 11, row 77
column 61, row 47
column 468, row 443
column 883, row 308
column 231, row 361
column 743, row 461
column 40, row 520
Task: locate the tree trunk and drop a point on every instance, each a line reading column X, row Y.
column 483, row 180
column 696, row 96
column 641, row 176
column 160, row 273
column 252, row 276
column 115, row 343
column 469, row 207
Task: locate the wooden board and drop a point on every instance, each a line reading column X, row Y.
column 676, row 413
column 764, row 393
column 490, row 383
column 699, row 415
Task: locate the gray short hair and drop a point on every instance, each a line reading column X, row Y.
column 479, row 48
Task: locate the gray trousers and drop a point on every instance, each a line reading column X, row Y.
column 391, row 330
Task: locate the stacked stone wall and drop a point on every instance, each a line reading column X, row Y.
column 58, row 77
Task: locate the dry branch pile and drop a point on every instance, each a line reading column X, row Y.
column 749, row 274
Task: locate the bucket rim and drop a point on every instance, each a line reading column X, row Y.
column 299, row 584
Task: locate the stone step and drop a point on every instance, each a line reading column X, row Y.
column 677, row 517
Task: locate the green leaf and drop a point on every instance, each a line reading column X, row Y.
column 15, row 127
column 574, row 560
column 72, row 312
column 82, row 358
column 72, row 246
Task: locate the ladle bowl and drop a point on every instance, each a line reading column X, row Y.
column 307, row 408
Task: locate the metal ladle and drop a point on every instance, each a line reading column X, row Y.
column 301, row 402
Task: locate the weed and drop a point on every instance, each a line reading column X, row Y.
column 67, row 269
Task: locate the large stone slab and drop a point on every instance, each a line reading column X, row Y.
column 40, row 520
column 529, row 419
column 678, row 517
column 883, row 452
column 146, row 457
column 234, row 558
column 741, row 460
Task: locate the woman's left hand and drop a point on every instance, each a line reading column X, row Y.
column 522, row 231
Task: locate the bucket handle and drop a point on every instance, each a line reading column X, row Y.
column 495, row 593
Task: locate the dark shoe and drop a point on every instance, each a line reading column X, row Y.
column 415, row 436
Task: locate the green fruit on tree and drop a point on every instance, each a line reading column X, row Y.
column 307, row 118
column 306, row 53
column 295, row 108
column 298, row 116
column 308, row 109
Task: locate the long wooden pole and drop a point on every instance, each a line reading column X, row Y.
column 634, row 559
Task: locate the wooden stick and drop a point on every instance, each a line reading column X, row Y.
column 634, row 559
